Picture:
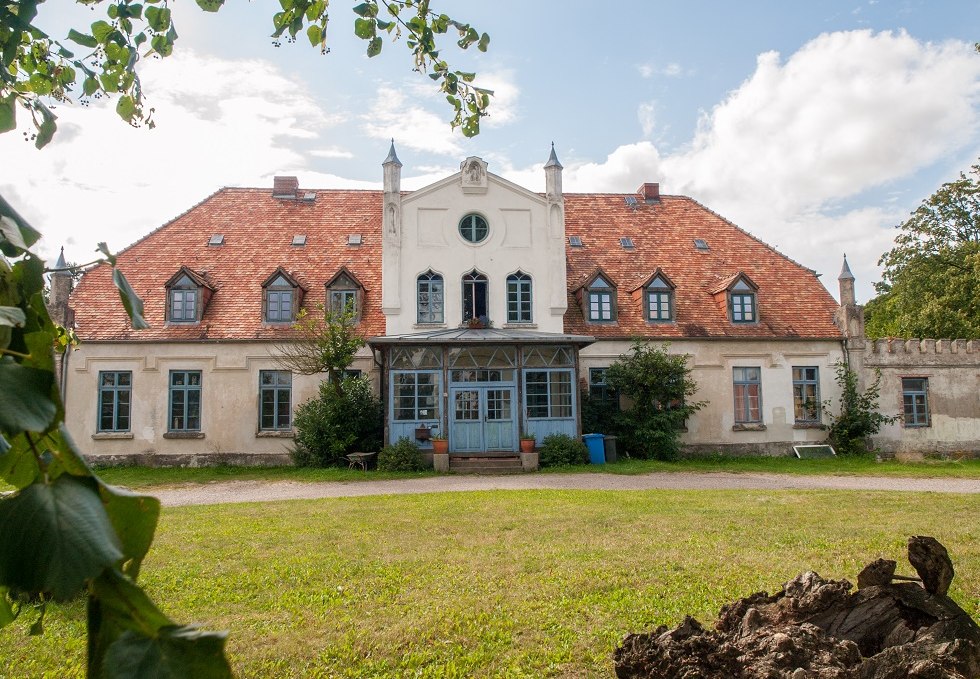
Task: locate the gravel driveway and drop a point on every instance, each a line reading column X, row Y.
column 266, row 491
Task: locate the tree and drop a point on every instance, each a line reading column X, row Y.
column 325, row 342
column 857, row 417
column 36, row 68
column 931, row 281
column 659, row 388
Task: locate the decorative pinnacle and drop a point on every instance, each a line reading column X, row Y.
column 61, row 263
column 845, row 272
column 392, row 156
column 553, row 159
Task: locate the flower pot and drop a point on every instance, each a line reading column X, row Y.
column 527, row 445
column 440, row 446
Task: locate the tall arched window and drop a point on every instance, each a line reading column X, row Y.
column 430, row 296
column 475, row 296
column 519, row 298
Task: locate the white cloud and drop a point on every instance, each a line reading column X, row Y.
column 102, row 180
column 671, row 70
column 646, row 113
column 503, row 104
column 330, row 153
column 392, row 116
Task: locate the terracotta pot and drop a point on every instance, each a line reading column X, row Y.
column 527, row 445
column 440, row 446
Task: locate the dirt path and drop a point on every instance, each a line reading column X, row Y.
column 267, row 491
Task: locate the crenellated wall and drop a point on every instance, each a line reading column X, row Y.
column 952, row 371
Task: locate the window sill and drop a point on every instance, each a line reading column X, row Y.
column 749, row 426
column 520, row 326
column 429, row 326
column 112, row 435
column 184, row 435
column 809, row 425
column 274, row 434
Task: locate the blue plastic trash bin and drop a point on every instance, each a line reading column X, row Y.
column 597, row 453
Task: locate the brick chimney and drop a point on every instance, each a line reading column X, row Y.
column 285, row 187
column 650, row 191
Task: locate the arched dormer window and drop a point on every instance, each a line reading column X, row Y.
column 741, row 298
column 187, row 295
column 600, row 300
column 475, row 297
column 429, row 287
column 519, row 298
column 345, row 294
column 658, row 298
column 281, row 298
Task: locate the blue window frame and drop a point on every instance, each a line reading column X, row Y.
column 915, row 401
column 473, row 228
column 185, row 401
column 183, row 301
column 806, row 394
column 519, row 298
column 115, row 397
column 415, row 395
column 279, row 297
column 548, row 394
column 275, row 398
column 748, row 395
column 601, row 301
column 430, row 298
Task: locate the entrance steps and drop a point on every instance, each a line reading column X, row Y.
column 499, row 463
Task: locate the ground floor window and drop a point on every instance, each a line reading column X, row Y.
column 416, row 396
column 598, row 389
column 548, row 393
column 806, row 394
column 115, row 393
column 915, row 401
column 185, row 400
column 748, row 395
column 275, row 398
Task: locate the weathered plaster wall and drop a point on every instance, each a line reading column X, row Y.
column 713, row 429
column 953, row 370
column 230, row 396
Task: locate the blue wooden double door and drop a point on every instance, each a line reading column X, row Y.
column 483, row 418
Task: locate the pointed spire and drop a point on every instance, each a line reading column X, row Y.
column 61, row 265
column 553, row 159
column 392, row 156
column 845, row 272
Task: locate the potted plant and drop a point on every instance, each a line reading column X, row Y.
column 527, row 442
column 440, row 444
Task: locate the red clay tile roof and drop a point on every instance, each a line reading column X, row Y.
column 791, row 300
column 258, row 231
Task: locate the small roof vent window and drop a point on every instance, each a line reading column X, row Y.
column 354, row 239
column 575, row 241
column 630, row 201
column 299, row 240
column 701, row 244
column 217, row 239
column 627, row 243
column 309, row 196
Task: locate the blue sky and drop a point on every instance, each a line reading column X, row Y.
column 816, row 126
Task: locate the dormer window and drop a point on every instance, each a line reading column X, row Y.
column 742, row 303
column 187, row 295
column 345, row 294
column 600, row 301
column 659, row 299
column 281, row 298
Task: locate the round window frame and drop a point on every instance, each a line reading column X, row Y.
column 468, row 217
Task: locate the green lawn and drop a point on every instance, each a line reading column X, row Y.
column 146, row 477
column 515, row 583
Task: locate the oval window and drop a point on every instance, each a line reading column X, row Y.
column 473, row 228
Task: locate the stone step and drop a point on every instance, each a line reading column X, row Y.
column 510, row 464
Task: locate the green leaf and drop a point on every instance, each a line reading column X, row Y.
column 364, row 28
column 11, row 315
column 47, row 128
column 90, row 86
column 134, row 518
column 126, row 107
column 315, row 34
column 366, row 9
column 104, row 249
column 174, row 652
column 158, row 18
column 82, row 39
column 55, row 537
column 101, row 30
column 484, row 43
column 130, row 300
column 8, row 112
column 18, row 466
column 210, row 5
column 374, row 47
column 15, row 228
column 25, row 404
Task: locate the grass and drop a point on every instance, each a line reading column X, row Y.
column 488, row 584
column 148, row 477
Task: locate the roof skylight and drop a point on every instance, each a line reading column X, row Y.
column 575, row 241
column 701, row 244
column 627, row 243
column 299, row 240
column 217, row 239
column 354, row 239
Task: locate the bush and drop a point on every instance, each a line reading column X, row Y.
column 561, row 450
column 403, row 456
column 337, row 422
column 859, row 418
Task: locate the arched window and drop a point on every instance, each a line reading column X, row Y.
column 519, row 298
column 475, row 297
column 430, row 298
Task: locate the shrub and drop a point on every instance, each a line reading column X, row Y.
column 403, row 456
column 337, row 422
column 559, row 450
column 859, row 417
